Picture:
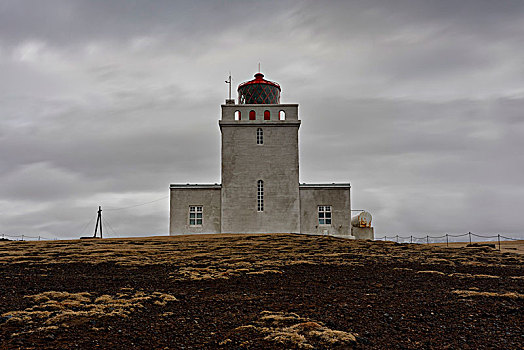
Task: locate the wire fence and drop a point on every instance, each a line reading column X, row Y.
column 440, row 239
column 4, row 236
column 396, row 238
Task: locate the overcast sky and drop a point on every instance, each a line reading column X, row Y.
column 419, row 104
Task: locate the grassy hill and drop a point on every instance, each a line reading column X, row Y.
column 258, row 292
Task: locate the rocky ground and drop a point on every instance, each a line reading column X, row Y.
column 258, row 292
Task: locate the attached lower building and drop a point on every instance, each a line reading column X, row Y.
column 260, row 190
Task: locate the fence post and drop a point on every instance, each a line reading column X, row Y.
column 22, row 237
column 411, row 240
column 498, row 236
column 447, row 240
column 38, row 237
column 427, row 239
column 469, row 237
column 397, row 238
column 384, row 238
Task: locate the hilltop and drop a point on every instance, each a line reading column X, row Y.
column 258, row 291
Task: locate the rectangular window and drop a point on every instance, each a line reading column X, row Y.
column 260, row 137
column 324, row 214
column 260, row 195
column 195, row 215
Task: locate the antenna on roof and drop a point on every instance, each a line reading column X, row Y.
column 229, row 82
column 259, row 67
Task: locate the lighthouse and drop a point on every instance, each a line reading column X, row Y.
column 260, row 158
column 260, row 190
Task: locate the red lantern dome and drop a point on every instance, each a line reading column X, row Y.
column 259, row 91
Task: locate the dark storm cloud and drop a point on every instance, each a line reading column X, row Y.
column 67, row 22
column 188, row 26
column 417, row 103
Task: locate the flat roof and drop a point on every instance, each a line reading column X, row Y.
column 327, row 185
column 201, row 186
column 260, row 105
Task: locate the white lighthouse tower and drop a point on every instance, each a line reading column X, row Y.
column 260, row 190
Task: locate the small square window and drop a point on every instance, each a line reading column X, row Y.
column 324, row 215
column 195, row 215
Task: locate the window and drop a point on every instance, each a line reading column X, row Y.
column 260, row 195
column 252, row 115
column 195, row 215
column 238, row 115
column 324, row 215
column 282, row 115
column 260, row 137
column 267, row 115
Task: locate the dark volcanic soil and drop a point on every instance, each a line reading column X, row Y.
column 257, row 292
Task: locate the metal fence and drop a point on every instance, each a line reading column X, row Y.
column 25, row 238
column 426, row 239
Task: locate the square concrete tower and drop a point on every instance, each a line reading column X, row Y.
column 260, row 171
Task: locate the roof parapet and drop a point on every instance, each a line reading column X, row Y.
column 195, row 186
column 331, row 185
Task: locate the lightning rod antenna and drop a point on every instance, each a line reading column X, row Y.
column 229, row 82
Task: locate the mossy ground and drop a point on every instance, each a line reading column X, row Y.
column 258, row 291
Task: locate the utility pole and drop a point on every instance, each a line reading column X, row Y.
column 98, row 220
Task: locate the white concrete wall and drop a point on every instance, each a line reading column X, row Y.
column 363, row 232
column 275, row 162
column 228, row 111
column 182, row 198
column 339, row 200
column 288, row 207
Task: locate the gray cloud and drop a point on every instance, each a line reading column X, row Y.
column 417, row 104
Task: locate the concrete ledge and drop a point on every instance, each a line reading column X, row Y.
column 195, row 186
column 259, row 122
column 261, row 105
column 331, row 185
